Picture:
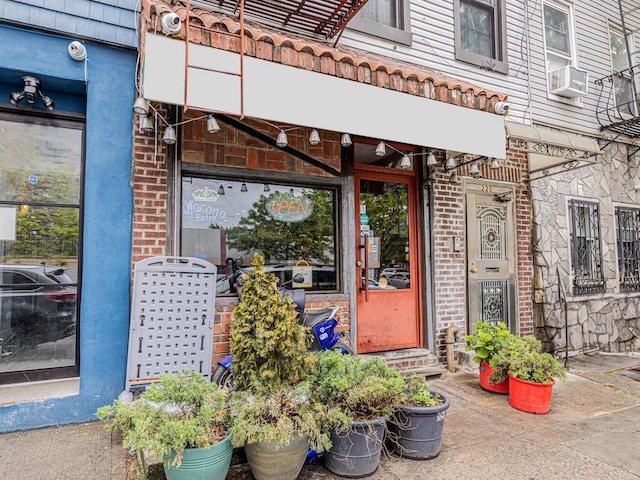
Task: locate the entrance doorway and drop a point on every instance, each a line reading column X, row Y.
column 491, row 259
column 388, row 259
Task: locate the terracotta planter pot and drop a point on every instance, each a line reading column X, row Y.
column 485, row 373
column 530, row 397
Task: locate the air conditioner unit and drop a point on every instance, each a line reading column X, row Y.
column 569, row 82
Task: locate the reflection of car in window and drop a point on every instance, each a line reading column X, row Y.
column 391, row 270
column 399, row 280
column 37, row 304
column 323, row 277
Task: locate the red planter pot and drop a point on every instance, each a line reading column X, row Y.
column 485, row 373
column 530, row 397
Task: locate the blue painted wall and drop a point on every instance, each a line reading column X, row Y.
column 109, row 92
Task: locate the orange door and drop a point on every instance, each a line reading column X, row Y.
column 388, row 299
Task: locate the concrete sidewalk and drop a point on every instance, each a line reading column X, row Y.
column 591, row 432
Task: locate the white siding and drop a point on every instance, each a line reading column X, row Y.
column 433, row 46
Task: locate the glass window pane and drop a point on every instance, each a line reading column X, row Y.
column 477, row 28
column 226, row 222
column 556, row 30
column 619, row 59
column 40, row 182
column 39, row 163
column 381, row 11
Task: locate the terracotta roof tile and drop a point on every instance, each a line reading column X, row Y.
column 340, row 61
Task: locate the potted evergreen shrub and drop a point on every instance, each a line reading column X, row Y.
column 415, row 428
column 182, row 419
column 489, row 340
column 356, row 396
column 531, row 374
column 271, row 413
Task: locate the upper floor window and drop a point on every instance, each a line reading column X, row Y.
column 480, row 33
column 293, row 228
column 628, row 238
column 559, row 47
column 585, row 247
column 622, row 87
column 388, row 19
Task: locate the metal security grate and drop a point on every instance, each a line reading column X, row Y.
column 172, row 312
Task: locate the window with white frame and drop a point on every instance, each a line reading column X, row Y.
column 480, row 33
column 622, row 87
column 388, row 19
column 585, row 247
column 558, row 37
column 628, row 239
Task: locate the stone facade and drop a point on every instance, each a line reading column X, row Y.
column 607, row 321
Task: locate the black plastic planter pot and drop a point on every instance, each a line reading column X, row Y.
column 356, row 453
column 416, row 432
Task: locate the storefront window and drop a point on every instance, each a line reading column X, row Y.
column 292, row 227
column 40, row 183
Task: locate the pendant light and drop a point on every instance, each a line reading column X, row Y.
column 381, row 149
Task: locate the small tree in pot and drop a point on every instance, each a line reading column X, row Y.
column 415, row 428
column 182, row 419
column 271, row 414
column 490, row 340
column 355, row 396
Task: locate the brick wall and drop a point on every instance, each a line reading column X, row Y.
column 450, row 267
column 229, row 148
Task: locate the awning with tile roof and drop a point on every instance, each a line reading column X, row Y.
column 302, row 81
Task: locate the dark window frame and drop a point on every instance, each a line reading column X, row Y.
column 63, row 119
column 401, row 34
column 501, row 62
column 228, row 174
column 586, row 251
column 628, row 242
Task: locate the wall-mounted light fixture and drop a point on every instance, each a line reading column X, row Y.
column 314, row 137
column 345, row 140
column 31, row 91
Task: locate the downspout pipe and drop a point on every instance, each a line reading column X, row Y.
column 450, row 338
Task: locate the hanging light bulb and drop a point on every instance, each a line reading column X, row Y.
column 243, row 187
column 345, row 140
column 169, row 136
column 147, row 125
column 212, row 125
column 314, row 137
column 431, row 159
column 405, row 163
column 221, row 190
column 141, row 106
column 451, row 163
column 266, row 188
column 281, row 141
column 495, row 164
column 453, row 178
column 381, row 149
column 474, row 171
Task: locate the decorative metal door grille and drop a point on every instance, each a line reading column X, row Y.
column 171, row 328
column 494, row 301
column 585, row 246
column 491, row 227
column 628, row 227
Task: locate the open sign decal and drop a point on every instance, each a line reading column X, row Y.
column 286, row 208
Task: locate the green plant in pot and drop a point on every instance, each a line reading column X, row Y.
column 531, row 374
column 271, row 415
column 182, row 419
column 356, row 395
column 487, row 342
column 415, row 428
